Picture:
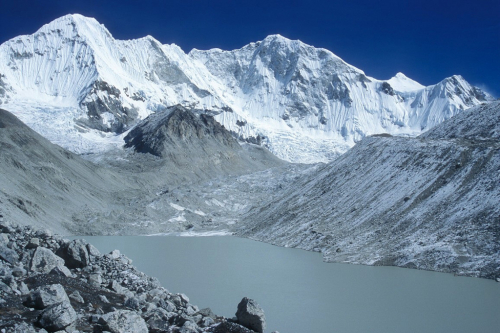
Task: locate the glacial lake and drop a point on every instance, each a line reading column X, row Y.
column 300, row 293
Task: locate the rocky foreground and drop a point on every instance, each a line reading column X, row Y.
column 50, row 284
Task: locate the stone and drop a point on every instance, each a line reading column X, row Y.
column 8, row 255
column 43, row 233
column 103, row 299
column 157, row 325
column 23, row 328
column 189, row 327
column 5, row 288
column 4, row 239
column 206, row 322
column 133, row 303
column 44, row 260
column 115, row 286
column 93, row 251
column 207, row 312
column 75, row 295
column 33, row 243
column 61, row 271
column 95, row 279
column 7, row 228
column 123, row 321
column 74, row 253
column 251, row 315
column 23, row 288
column 18, row 271
column 57, row 317
column 115, row 254
column 184, row 298
column 45, row 296
column 190, row 311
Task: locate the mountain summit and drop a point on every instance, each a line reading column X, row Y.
column 77, row 85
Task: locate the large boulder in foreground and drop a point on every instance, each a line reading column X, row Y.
column 251, row 315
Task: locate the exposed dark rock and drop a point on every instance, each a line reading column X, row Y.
column 387, row 89
column 179, row 128
column 105, row 99
column 75, row 254
column 251, row 315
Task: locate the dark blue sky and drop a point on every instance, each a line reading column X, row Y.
column 427, row 40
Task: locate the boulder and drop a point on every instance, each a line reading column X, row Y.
column 95, row 279
column 251, row 315
column 189, row 327
column 8, row 255
column 93, row 251
column 57, row 317
column 4, row 239
column 44, row 260
column 158, row 325
column 75, row 253
column 33, row 243
column 75, row 295
column 115, row 286
column 18, row 271
column 45, row 296
column 133, row 303
column 61, row 271
column 115, row 254
column 123, row 321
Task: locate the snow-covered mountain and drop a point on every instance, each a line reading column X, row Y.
column 75, row 84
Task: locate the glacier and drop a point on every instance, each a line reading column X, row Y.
column 75, row 84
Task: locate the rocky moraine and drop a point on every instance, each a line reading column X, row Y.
column 51, row 284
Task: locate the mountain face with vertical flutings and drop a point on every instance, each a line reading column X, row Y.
column 74, row 83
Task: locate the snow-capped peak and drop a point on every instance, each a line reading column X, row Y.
column 402, row 83
column 305, row 103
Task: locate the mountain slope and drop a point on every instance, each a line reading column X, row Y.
column 45, row 185
column 421, row 203
column 42, row 184
column 75, row 84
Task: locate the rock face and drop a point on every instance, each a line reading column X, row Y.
column 251, row 315
column 178, row 128
column 185, row 137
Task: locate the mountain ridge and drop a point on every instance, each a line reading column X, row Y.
column 287, row 92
